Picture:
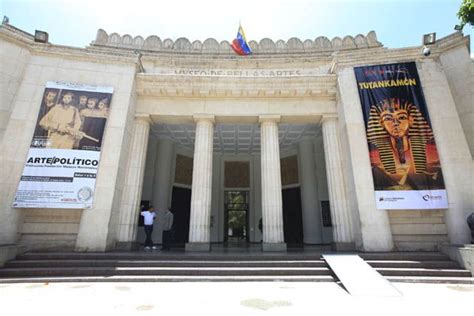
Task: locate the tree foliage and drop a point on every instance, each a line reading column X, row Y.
column 466, row 13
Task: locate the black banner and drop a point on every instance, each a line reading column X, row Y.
column 404, row 158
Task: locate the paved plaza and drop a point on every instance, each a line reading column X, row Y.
column 219, row 298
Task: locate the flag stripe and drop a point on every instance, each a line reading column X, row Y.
column 239, row 44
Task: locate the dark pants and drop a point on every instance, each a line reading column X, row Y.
column 148, row 231
column 167, row 238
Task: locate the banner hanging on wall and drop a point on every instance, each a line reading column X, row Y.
column 63, row 159
column 405, row 164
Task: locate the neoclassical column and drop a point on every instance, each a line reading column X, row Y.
column 342, row 225
column 162, row 184
column 312, row 227
column 163, row 166
column 132, row 192
column 201, row 195
column 272, row 206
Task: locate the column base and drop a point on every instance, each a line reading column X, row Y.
column 127, row 245
column 343, row 246
column 197, row 246
column 280, row 247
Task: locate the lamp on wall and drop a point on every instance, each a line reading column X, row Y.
column 41, row 37
column 429, row 39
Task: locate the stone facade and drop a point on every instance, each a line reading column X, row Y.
column 294, row 99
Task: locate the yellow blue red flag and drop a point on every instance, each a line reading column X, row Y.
column 239, row 44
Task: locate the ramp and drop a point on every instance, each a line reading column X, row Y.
column 358, row 277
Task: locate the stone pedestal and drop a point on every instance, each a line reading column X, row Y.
column 312, row 228
column 272, row 208
column 130, row 205
column 199, row 224
column 340, row 213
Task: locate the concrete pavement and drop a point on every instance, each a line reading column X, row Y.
column 225, row 298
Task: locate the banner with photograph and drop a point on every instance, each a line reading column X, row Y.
column 405, row 164
column 64, row 155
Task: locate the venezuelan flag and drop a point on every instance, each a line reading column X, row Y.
column 239, row 44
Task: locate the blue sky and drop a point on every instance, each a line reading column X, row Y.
column 399, row 23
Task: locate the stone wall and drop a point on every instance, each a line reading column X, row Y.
column 13, row 60
column 50, row 229
column 53, row 228
column 418, row 230
column 458, row 67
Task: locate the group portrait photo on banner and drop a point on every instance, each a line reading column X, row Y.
column 64, row 154
column 404, row 159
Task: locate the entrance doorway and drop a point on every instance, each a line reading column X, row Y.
column 292, row 216
column 236, row 228
column 181, row 207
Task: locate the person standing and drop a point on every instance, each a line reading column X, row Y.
column 167, row 229
column 62, row 123
column 93, row 125
column 49, row 101
column 148, row 219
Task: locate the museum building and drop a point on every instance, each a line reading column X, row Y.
column 270, row 148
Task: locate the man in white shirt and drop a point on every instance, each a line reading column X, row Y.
column 148, row 219
column 167, row 229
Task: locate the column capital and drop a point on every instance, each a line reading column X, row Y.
column 142, row 117
column 269, row 118
column 204, row 117
column 328, row 117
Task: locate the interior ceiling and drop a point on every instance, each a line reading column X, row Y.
column 237, row 138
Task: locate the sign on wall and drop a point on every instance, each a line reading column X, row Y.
column 405, row 165
column 63, row 159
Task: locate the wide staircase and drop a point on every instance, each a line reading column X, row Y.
column 413, row 267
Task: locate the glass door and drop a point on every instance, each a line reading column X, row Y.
column 236, row 216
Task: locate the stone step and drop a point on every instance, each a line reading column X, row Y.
column 167, row 256
column 424, row 272
column 413, row 264
column 231, row 267
column 174, row 271
column 404, row 256
column 414, row 256
column 163, row 263
column 175, row 278
column 428, row 279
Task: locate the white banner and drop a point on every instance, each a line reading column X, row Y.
column 55, row 178
column 402, row 200
column 62, row 163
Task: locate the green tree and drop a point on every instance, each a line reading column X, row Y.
column 466, row 13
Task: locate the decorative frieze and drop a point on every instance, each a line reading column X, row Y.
column 212, row 46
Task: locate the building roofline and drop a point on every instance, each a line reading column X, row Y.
column 212, row 46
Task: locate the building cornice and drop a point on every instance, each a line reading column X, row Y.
column 384, row 55
column 14, row 35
